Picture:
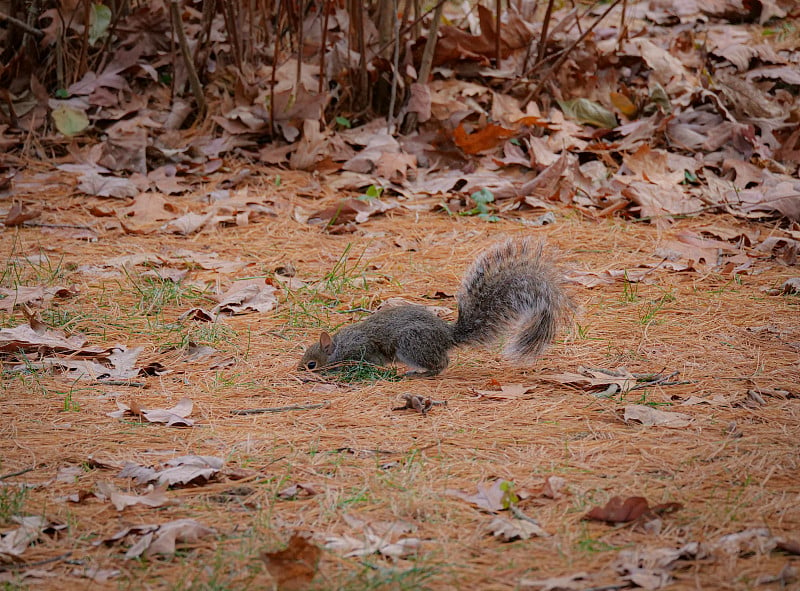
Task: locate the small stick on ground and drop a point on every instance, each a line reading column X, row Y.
column 17, row 473
column 258, row 411
column 655, row 382
column 24, row 565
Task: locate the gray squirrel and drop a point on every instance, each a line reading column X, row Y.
column 513, row 288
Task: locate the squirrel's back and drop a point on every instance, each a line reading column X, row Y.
column 513, row 289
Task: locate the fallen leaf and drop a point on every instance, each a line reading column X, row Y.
column 610, row 382
column 18, row 214
column 508, row 530
column 651, row 568
column 172, row 417
column 295, row 566
column 758, row 540
column 15, row 542
column 619, row 510
column 181, row 470
column 575, row 582
column 247, row 296
column 42, row 339
column 164, row 538
column 481, row 140
column 96, row 574
column 505, row 392
column 491, row 496
column 554, row 487
column 371, row 543
column 32, row 296
column 649, row 416
column 299, row 490
column 155, row 498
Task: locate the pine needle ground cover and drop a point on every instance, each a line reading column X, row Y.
column 157, row 434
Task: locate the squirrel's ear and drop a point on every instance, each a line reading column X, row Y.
column 326, row 343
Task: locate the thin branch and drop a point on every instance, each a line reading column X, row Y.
column 545, row 27
column 395, row 69
column 535, row 92
column 258, row 411
column 17, row 473
column 38, row 33
column 426, row 64
column 194, row 81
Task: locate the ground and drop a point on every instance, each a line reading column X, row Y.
column 732, row 466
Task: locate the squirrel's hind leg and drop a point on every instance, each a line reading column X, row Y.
column 423, row 360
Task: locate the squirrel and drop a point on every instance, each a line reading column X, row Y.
column 513, row 288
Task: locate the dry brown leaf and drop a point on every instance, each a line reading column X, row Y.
column 508, row 530
column 300, row 490
column 575, row 582
column 506, row 392
column 164, row 538
column 182, row 470
column 32, row 296
column 649, row 416
column 18, row 214
column 481, row 140
column 14, row 542
column 155, row 498
column 294, row 567
column 491, row 496
column 651, row 568
column 619, row 510
column 172, row 417
column 609, row 381
column 254, row 295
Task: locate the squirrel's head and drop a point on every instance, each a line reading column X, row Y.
column 316, row 356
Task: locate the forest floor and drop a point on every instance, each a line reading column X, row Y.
column 381, row 495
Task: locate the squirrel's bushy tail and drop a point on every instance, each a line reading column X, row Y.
column 512, row 289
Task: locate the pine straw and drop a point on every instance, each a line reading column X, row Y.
column 727, row 483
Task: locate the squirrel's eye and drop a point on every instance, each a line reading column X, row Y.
column 311, row 364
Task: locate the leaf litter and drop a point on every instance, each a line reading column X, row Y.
column 681, row 146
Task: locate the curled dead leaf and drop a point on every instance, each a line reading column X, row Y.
column 294, row 567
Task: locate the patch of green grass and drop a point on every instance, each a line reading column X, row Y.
column 363, row 371
column 306, row 306
column 231, row 568
column 154, row 294
column 592, row 545
column 30, row 376
column 648, row 313
column 345, row 274
column 729, row 286
column 630, row 291
column 356, row 497
column 375, row 575
column 30, row 268
column 644, row 400
column 12, row 501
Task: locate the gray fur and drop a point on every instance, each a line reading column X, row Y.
column 511, row 289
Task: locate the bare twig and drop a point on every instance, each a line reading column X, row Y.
column 17, row 473
column 498, row 7
column 660, row 380
column 258, row 411
column 25, row 565
column 273, row 81
column 554, row 68
column 427, row 61
column 38, row 33
column 194, row 81
column 326, row 6
column 545, row 27
column 395, row 69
